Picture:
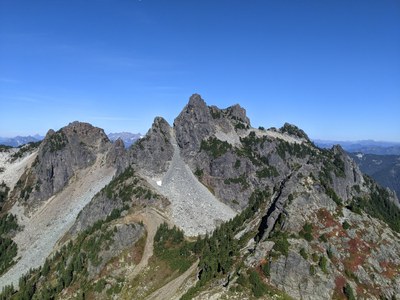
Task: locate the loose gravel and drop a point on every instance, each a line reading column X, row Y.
column 48, row 224
column 193, row 207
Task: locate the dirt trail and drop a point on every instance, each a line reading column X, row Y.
column 277, row 135
column 49, row 223
column 151, row 219
column 169, row 291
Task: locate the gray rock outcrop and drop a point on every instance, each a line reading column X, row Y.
column 193, row 125
column 154, row 151
column 124, row 236
column 60, row 155
column 292, row 275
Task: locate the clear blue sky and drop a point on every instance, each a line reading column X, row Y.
column 330, row 67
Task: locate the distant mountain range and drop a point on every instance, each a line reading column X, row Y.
column 127, row 137
column 20, row 140
column 385, row 169
column 366, row 147
column 380, row 160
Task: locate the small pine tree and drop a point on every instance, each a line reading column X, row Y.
column 46, row 268
column 258, row 287
column 348, row 291
column 266, row 269
column 323, row 264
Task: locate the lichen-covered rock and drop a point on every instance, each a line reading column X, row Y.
column 98, row 209
column 348, row 175
column 123, row 237
column 292, row 275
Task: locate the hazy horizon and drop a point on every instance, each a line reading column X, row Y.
column 143, row 133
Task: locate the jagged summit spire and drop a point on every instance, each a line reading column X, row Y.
column 196, row 100
column 239, row 113
column 196, row 109
column 160, row 122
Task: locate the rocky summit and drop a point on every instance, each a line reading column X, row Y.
column 205, row 208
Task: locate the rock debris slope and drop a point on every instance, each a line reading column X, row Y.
column 50, row 187
column 193, row 207
column 53, row 218
column 13, row 169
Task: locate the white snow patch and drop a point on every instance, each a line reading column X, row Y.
column 360, row 155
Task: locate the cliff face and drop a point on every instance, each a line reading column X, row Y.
column 233, row 159
column 198, row 122
column 60, row 155
column 153, row 152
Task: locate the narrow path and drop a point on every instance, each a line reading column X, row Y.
column 151, row 219
column 169, row 291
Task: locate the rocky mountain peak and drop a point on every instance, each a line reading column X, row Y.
column 196, row 110
column 337, row 149
column 153, row 152
column 193, row 124
column 119, row 143
column 238, row 113
column 294, row 131
column 196, row 101
column 116, row 155
column 50, row 132
column 161, row 124
column 86, row 133
column 76, row 134
column 60, row 155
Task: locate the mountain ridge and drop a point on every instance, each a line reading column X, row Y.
column 18, row 141
column 364, row 146
column 127, row 137
column 385, row 169
column 308, row 223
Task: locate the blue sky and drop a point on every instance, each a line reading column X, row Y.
column 330, row 67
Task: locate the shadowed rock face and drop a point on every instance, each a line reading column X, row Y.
column 193, row 125
column 237, row 112
column 61, row 153
column 117, row 155
column 153, row 152
column 197, row 122
column 123, row 237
